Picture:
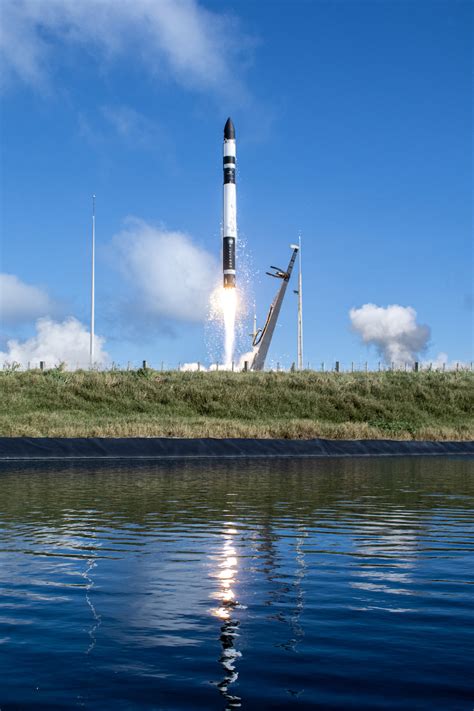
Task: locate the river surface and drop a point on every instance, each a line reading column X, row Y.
column 309, row 584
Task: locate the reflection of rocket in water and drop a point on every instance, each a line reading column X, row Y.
column 228, row 659
column 229, row 628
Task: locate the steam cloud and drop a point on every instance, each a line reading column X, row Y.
column 56, row 342
column 172, row 276
column 20, row 302
column 393, row 330
column 238, row 364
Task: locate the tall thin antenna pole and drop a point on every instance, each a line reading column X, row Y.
column 300, row 308
column 91, row 349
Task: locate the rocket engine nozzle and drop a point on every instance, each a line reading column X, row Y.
column 229, row 281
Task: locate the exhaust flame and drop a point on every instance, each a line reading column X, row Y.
column 229, row 310
column 226, row 327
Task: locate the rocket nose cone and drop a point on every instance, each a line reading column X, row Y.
column 229, row 130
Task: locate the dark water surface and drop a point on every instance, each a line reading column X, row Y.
column 328, row 584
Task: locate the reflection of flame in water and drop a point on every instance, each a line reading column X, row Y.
column 227, row 569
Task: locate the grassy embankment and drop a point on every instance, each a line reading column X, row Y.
column 148, row 403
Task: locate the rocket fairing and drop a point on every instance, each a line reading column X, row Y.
column 229, row 222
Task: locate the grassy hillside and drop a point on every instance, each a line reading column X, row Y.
column 290, row 405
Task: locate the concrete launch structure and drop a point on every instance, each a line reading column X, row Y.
column 229, row 221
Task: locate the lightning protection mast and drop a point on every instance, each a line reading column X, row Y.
column 91, row 346
column 299, row 294
column 300, row 308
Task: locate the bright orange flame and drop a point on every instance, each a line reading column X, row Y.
column 229, row 310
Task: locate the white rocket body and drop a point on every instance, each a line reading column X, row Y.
column 229, row 221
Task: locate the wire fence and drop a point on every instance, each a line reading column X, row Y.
column 321, row 367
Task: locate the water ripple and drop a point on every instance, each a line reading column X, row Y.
column 329, row 584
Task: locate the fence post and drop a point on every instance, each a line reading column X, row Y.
column 161, row 366
column 366, row 367
column 199, row 366
column 415, row 367
column 41, row 364
column 144, row 365
column 232, row 366
column 352, row 366
column 246, row 366
column 322, row 367
column 292, row 367
column 337, row 366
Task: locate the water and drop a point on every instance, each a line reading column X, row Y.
column 311, row 584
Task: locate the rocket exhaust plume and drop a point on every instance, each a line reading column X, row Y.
column 229, row 308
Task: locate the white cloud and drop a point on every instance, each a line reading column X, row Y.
column 21, row 302
column 194, row 45
column 393, row 330
column 55, row 342
column 128, row 122
column 172, row 277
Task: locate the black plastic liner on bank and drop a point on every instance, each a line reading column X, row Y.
column 44, row 449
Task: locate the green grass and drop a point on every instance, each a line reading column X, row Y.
column 147, row 403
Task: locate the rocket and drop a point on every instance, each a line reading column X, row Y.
column 229, row 222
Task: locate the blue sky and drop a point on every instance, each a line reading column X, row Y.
column 353, row 123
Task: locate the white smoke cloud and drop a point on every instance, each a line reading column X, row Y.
column 21, row 302
column 443, row 362
column 192, row 367
column 172, row 277
column 393, row 330
column 194, row 45
column 238, row 365
column 56, row 342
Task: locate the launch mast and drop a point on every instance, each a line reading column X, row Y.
column 91, row 346
column 299, row 292
column 264, row 335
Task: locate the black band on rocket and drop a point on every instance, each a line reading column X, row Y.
column 229, row 175
column 228, row 253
